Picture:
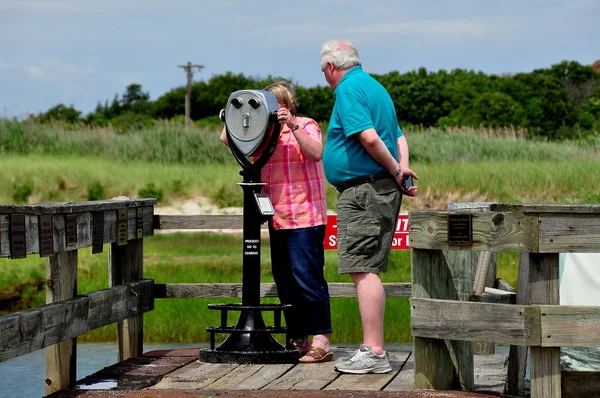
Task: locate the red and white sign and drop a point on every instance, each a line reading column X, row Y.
column 400, row 241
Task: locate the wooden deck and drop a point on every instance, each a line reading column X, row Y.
column 176, row 373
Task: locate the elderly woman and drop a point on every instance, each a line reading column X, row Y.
column 295, row 183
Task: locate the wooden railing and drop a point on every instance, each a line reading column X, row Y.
column 56, row 231
column 444, row 323
column 443, row 320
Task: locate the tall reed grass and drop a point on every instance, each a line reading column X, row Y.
column 170, row 142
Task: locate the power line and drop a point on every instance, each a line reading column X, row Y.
column 189, row 69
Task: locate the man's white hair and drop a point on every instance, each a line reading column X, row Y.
column 341, row 53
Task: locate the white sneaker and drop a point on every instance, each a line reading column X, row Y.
column 365, row 361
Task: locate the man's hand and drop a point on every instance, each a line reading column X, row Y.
column 410, row 191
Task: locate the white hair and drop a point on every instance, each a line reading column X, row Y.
column 341, row 53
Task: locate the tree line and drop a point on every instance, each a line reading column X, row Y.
column 562, row 101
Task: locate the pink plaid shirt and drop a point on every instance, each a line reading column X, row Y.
column 295, row 185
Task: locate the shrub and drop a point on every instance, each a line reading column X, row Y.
column 22, row 192
column 151, row 191
column 95, row 191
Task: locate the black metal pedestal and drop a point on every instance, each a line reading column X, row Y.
column 250, row 340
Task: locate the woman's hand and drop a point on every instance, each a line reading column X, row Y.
column 285, row 116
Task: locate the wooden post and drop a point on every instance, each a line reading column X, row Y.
column 517, row 357
column 480, row 348
column 442, row 364
column 61, row 284
column 126, row 265
column 543, row 289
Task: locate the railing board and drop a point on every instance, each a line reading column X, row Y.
column 473, row 321
column 120, row 302
column 234, row 290
column 491, row 231
column 84, row 229
column 27, row 331
column 569, row 326
column 76, row 207
column 537, row 208
column 565, row 233
column 204, row 221
column 37, row 328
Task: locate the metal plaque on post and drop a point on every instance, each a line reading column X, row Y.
column 18, row 246
column 122, row 226
column 46, row 235
column 98, row 235
column 71, row 229
column 139, row 222
column 460, row 229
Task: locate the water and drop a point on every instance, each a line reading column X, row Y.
column 23, row 377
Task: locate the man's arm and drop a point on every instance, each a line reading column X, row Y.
column 373, row 144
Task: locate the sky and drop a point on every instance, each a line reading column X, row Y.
column 80, row 52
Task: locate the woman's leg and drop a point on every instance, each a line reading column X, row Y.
column 307, row 260
column 282, row 274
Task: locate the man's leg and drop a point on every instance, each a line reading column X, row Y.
column 371, row 304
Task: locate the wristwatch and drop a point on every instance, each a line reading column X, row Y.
column 398, row 171
column 296, row 127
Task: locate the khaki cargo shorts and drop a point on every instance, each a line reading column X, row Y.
column 366, row 219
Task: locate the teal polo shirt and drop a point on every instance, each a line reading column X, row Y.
column 361, row 103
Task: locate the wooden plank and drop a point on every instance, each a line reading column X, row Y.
column 316, row 376
column 84, row 230
column 27, row 331
column 126, row 264
column 570, row 326
column 264, row 376
column 76, row 207
column 370, row 382
column 205, row 221
column 471, row 321
column 405, row 379
column 564, row 233
column 120, row 302
column 234, row 290
column 545, row 362
column 580, row 384
column 537, row 208
column 442, row 364
column 61, row 284
column 196, row 375
column 517, row 357
column 491, row 231
column 237, row 376
column 4, row 237
column 490, row 373
column 504, row 285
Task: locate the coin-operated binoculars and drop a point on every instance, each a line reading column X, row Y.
column 252, row 128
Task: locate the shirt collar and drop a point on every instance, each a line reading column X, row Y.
column 351, row 72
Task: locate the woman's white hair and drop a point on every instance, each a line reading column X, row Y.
column 341, row 53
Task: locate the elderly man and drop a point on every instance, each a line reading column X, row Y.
column 366, row 159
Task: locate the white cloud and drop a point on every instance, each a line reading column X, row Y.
column 35, row 72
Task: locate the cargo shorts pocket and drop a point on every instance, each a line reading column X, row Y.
column 363, row 238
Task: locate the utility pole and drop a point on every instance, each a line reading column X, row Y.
column 189, row 69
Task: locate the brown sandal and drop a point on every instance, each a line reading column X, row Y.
column 316, row 355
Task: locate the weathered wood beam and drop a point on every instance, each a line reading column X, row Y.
column 569, row 326
column 234, row 290
column 474, row 321
column 84, row 226
column 205, row 221
column 27, row 331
